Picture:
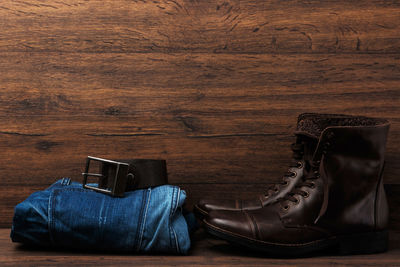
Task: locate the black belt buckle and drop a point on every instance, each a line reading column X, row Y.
column 113, row 176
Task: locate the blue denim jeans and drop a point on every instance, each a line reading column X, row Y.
column 67, row 215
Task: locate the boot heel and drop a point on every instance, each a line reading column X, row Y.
column 364, row 243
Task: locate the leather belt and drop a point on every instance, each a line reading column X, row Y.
column 117, row 177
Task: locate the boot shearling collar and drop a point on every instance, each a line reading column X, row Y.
column 313, row 124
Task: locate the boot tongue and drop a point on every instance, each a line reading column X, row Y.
column 310, row 144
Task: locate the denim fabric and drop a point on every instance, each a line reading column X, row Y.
column 67, row 215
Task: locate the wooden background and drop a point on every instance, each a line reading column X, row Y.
column 213, row 87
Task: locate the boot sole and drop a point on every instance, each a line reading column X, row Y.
column 199, row 213
column 360, row 243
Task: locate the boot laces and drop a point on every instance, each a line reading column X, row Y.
column 309, row 181
column 298, row 152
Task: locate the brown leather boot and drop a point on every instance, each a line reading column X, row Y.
column 340, row 204
column 303, row 150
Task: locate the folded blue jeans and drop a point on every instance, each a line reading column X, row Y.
column 67, row 215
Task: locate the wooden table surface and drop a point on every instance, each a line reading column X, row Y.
column 205, row 251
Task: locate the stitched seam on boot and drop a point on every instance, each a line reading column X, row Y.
column 376, row 196
column 264, row 242
column 253, row 225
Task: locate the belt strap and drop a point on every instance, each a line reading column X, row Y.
column 146, row 173
column 117, row 177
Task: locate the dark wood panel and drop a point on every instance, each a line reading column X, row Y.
column 200, row 26
column 205, row 251
column 128, row 84
column 59, row 149
column 137, row 84
column 214, row 118
column 189, row 159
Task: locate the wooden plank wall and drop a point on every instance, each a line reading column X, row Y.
column 213, row 87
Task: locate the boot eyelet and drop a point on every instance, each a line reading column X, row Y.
column 276, row 190
column 297, row 201
column 293, row 174
column 306, row 194
column 286, row 207
column 312, row 185
column 285, row 183
column 299, row 165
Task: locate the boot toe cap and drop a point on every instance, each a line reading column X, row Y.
column 230, row 223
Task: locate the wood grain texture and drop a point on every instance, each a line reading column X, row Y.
column 200, row 26
column 213, row 87
column 205, row 252
column 213, row 120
